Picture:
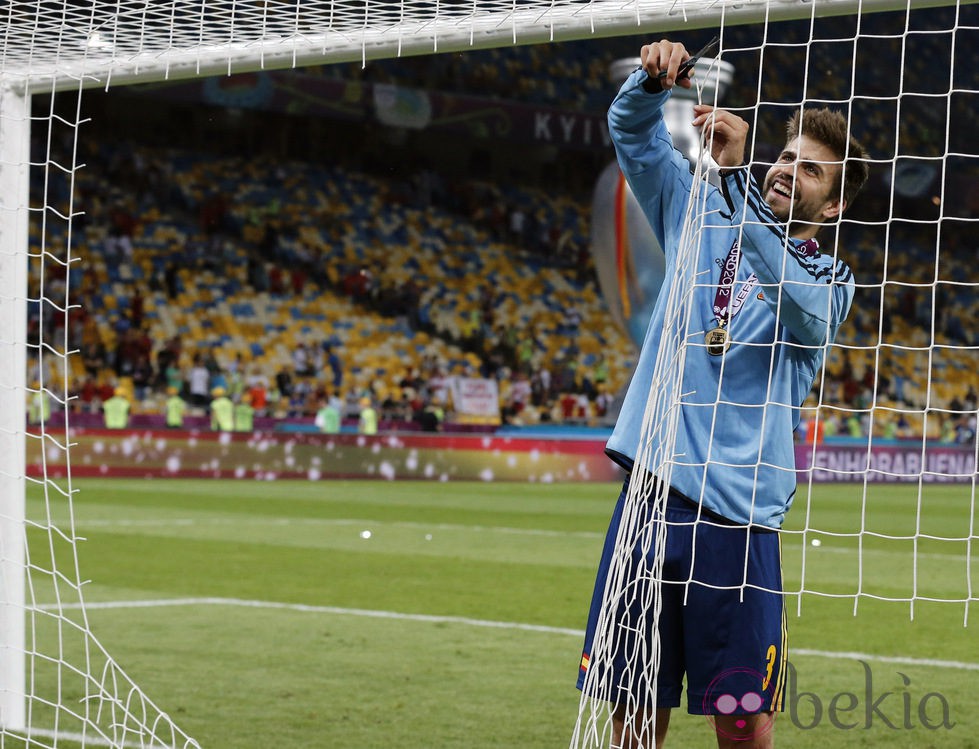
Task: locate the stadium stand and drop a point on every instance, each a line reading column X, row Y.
column 410, row 274
column 255, row 259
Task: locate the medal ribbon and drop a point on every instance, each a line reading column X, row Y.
column 725, row 308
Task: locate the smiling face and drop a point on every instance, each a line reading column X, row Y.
column 803, row 185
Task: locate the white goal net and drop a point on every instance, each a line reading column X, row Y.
column 900, row 377
column 893, row 407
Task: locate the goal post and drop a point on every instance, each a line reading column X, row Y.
column 14, row 167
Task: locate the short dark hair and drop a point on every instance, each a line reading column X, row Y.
column 829, row 127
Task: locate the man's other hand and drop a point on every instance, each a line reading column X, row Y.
column 726, row 134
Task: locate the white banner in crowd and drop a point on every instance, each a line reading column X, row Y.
column 475, row 400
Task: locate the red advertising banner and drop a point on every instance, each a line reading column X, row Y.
column 314, row 456
column 437, row 457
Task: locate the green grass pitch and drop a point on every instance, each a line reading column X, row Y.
column 457, row 622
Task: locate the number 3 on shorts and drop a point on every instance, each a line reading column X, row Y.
column 769, row 665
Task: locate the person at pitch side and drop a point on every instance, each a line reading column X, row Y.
column 767, row 302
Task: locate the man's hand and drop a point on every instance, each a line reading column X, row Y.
column 725, row 132
column 665, row 57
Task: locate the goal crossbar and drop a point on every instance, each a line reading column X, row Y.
column 45, row 50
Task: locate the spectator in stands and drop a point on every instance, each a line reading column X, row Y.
column 472, row 330
column 509, row 410
column 328, row 416
column 359, row 283
column 527, row 348
column 571, row 320
column 142, row 374
column 119, row 237
column 115, row 410
column 367, row 420
column 297, row 280
column 256, row 385
column 518, row 226
column 815, row 430
column 284, row 383
column 948, row 429
column 276, row 282
column 567, row 404
column 218, row 378
column 300, row 402
column 269, row 247
column 104, row 389
column 520, row 390
column 335, row 365
column 394, row 407
column 39, row 407
column 971, row 399
column 438, row 382
column 301, row 363
column 432, row 417
column 93, row 357
column 199, row 383
column 411, row 380
column 168, row 372
column 603, row 401
column 174, row 408
column 222, row 411
column 541, row 384
column 136, row 304
column 317, row 360
column 277, row 403
column 171, row 281
column 256, row 273
column 213, row 214
column 566, row 374
column 244, row 414
column 414, row 400
column 599, row 372
column 124, row 356
column 86, row 394
column 965, row 429
column 854, row 425
column 235, row 377
column 888, row 430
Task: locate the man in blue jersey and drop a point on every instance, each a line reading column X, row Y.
column 766, row 303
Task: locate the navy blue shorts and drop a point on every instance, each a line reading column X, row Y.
column 723, row 626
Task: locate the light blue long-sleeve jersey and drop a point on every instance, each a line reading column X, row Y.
column 734, row 447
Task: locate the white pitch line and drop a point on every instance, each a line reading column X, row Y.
column 900, row 659
column 88, row 739
column 184, row 522
column 355, row 522
column 430, row 618
column 305, row 608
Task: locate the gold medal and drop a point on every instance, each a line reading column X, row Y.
column 718, row 341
